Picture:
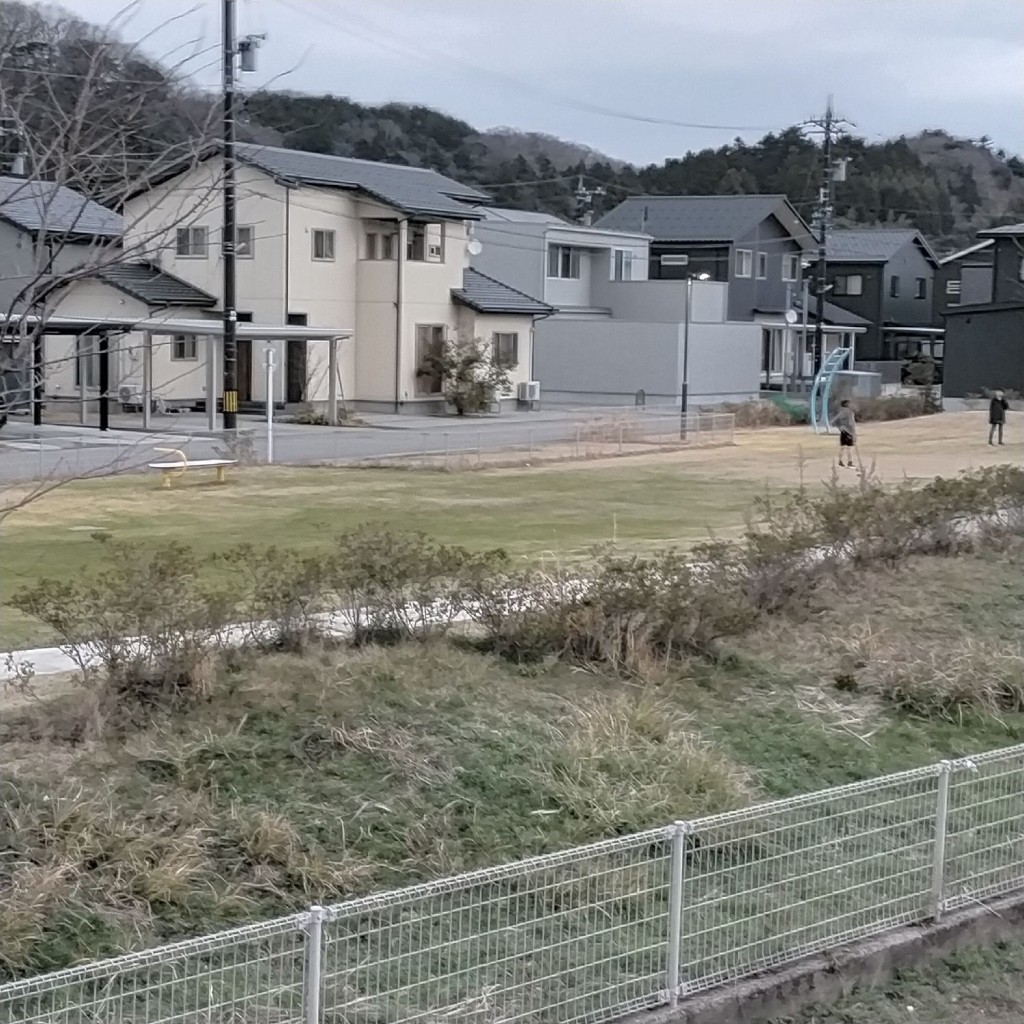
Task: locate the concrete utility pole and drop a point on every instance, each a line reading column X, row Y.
column 585, row 202
column 247, row 50
column 827, row 126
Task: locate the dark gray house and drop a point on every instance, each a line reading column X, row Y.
column 754, row 243
column 964, row 278
column 886, row 276
column 985, row 340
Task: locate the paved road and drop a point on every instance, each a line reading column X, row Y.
column 28, row 453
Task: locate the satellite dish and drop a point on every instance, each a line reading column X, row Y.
column 791, row 317
column 474, row 247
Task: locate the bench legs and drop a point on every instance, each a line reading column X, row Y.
column 167, row 475
column 166, row 479
column 220, row 474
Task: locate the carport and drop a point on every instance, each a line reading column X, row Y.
column 18, row 328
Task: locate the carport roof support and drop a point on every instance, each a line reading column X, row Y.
column 161, row 325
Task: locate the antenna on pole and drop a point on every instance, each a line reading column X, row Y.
column 585, row 201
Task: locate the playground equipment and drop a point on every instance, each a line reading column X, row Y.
column 821, row 390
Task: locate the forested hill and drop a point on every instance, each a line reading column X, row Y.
column 947, row 187
column 63, row 78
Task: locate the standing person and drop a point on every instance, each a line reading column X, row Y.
column 997, row 416
column 847, row 424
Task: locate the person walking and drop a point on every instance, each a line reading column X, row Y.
column 997, row 416
column 846, row 421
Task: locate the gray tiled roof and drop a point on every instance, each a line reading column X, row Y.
column 55, row 209
column 872, row 245
column 1002, row 232
column 834, row 314
column 692, row 218
column 154, row 286
column 521, row 216
column 486, row 295
column 413, row 190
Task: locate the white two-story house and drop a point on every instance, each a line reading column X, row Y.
column 327, row 241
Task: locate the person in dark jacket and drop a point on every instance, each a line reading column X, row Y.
column 996, row 416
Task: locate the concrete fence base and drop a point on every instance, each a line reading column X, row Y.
column 866, row 965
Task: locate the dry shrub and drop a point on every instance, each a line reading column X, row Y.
column 617, row 764
column 934, row 680
column 760, row 414
column 885, row 408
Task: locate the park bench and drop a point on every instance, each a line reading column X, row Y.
column 178, row 467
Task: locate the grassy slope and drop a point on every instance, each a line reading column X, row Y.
column 342, row 773
column 528, row 513
column 965, row 988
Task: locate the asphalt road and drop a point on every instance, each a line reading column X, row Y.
column 30, row 453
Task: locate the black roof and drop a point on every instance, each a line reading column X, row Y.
column 412, row 190
column 55, row 209
column 703, row 218
column 154, row 286
column 874, row 245
column 486, row 295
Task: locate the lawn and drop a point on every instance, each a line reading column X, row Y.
column 560, row 513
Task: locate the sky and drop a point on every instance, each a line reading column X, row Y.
column 625, row 77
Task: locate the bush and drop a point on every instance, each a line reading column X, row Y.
column 895, row 407
column 758, row 414
column 143, row 631
column 470, row 376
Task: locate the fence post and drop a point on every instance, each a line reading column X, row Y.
column 314, row 972
column 675, row 911
column 939, row 847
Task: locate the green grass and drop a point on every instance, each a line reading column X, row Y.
column 967, row 987
column 559, row 513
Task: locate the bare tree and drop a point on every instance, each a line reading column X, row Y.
column 86, row 122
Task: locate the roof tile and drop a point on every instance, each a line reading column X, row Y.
column 55, row 209
column 487, row 295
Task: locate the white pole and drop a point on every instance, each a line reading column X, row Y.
column 332, row 382
column 268, row 362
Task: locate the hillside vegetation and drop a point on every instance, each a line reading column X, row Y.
column 946, row 187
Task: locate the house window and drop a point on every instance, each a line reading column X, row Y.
column 245, row 242
column 192, row 243
column 623, row 269
column 762, row 266
column 380, row 245
column 564, row 262
column 790, row 267
column 920, row 288
column 848, row 284
column 429, row 346
column 184, row 348
column 894, row 286
column 87, row 362
column 952, row 287
column 505, row 348
column 425, row 243
column 323, row 244
column 744, row 265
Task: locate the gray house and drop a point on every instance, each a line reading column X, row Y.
column 984, row 346
column 886, row 276
column 754, row 243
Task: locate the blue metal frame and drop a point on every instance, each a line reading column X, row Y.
column 834, row 362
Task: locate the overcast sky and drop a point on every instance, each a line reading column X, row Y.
column 750, row 66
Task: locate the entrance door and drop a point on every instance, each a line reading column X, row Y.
column 244, row 370
column 296, row 358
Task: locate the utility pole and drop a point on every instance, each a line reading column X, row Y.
column 827, row 126
column 247, row 50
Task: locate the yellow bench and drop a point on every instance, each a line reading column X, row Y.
column 177, row 468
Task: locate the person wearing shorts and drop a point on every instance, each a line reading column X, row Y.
column 847, row 424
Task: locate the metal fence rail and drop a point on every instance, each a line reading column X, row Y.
column 593, row 933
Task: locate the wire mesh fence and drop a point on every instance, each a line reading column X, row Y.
column 594, row 933
column 599, row 436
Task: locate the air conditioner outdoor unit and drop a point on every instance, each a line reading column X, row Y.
column 529, row 391
column 675, row 259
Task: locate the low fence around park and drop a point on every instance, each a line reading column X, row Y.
column 601, row 436
column 594, row 933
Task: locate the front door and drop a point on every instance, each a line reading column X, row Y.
column 244, row 370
